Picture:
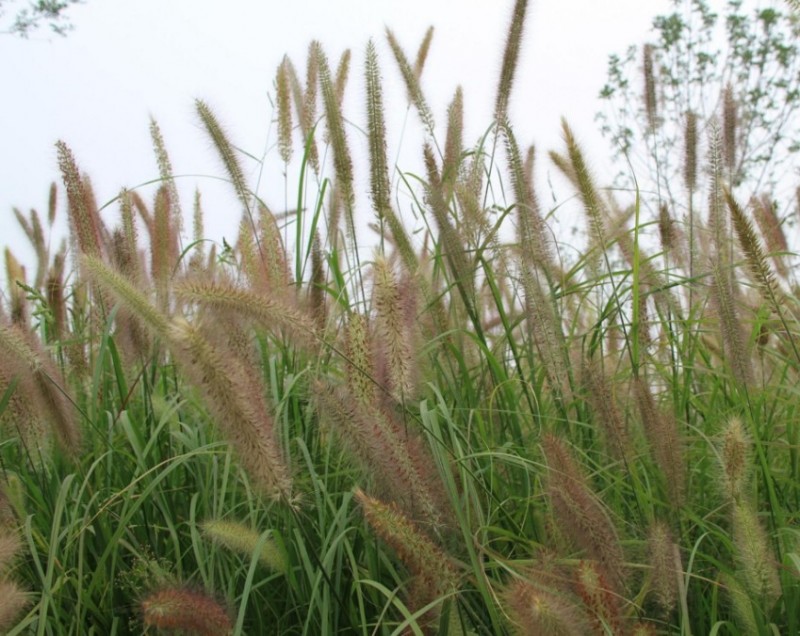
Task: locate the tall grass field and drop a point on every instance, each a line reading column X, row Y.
column 378, row 414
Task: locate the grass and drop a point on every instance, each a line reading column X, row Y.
column 455, row 432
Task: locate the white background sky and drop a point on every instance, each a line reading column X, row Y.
column 128, row 59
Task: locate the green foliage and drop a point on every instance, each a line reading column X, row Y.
column 32, row 17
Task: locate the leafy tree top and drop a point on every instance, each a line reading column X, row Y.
column 27, row 19
column 745, row 55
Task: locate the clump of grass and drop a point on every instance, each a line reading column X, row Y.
column 480, row 432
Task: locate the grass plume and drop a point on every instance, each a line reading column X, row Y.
column 510, row 60
column 184, row 610
column 411, row 79
column 226, row 152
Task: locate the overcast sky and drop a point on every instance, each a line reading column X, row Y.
column 129, row 59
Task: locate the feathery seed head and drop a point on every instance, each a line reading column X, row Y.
column 422, row 52
column 734, row 340
column 379, row 171
column 238, row 537
column 198, row 231
column 13, row 599
column 592, row 203
column 15, row 275
column 167, row 176
column 743, row 609
column 661, row 558
column 690, row 151
column 413, row 88
column 342, row 75
column 536, row 610
column 235, row 398
column 434, row 575
column 730, row 124
column 164, row 247
column 268, row 312
column 716, row 195
column 606, row 411
column 599, row 598
column 24, row 355
column 10, row 545
column 52, row 202
column 510, row 59
column 284, row 106
column 342, row 161
column 666, row 229
column 83, row 218
column 273, row 253
column 127, row 293
column 771, row 226
column 396, row 341
column 650, row 102
column 454, row 141
column 225, row 150
column 317, row 284
column 393, row 455
column 582, row 516
column 187, row 611
column 359, row 357
column 54, row 288
column 758, row 566
column 308, row 112
column 661, row 430
column 754, row 253
column 734, row 453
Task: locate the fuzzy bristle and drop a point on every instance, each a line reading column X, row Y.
column 666, row 444
column 510, row 60
column 650, row 102
column 534, row 610
column 185, row 611
column 308, row 109
column 730, row 129
column 734, row 450
column 342, row 161
column 397, row 342
column 599, row 598
column 284, row 107
column 755, row 556
column 13, row 599
column 422, row 52
column 434, row 575
column 413, row 88
column 580, row 513
column 226, row 152
column 690, row 151
column 167, row 176
column 83, row 219
column 240, row 538
column 233, row 395
column 24, row 355
column 663, row 576
column 606, row 411
column 380, row 188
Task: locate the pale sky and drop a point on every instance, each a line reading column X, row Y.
column 129, row 59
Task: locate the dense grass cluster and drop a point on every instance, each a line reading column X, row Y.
column 457, row 431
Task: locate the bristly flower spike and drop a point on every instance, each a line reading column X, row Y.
column 510, row 59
